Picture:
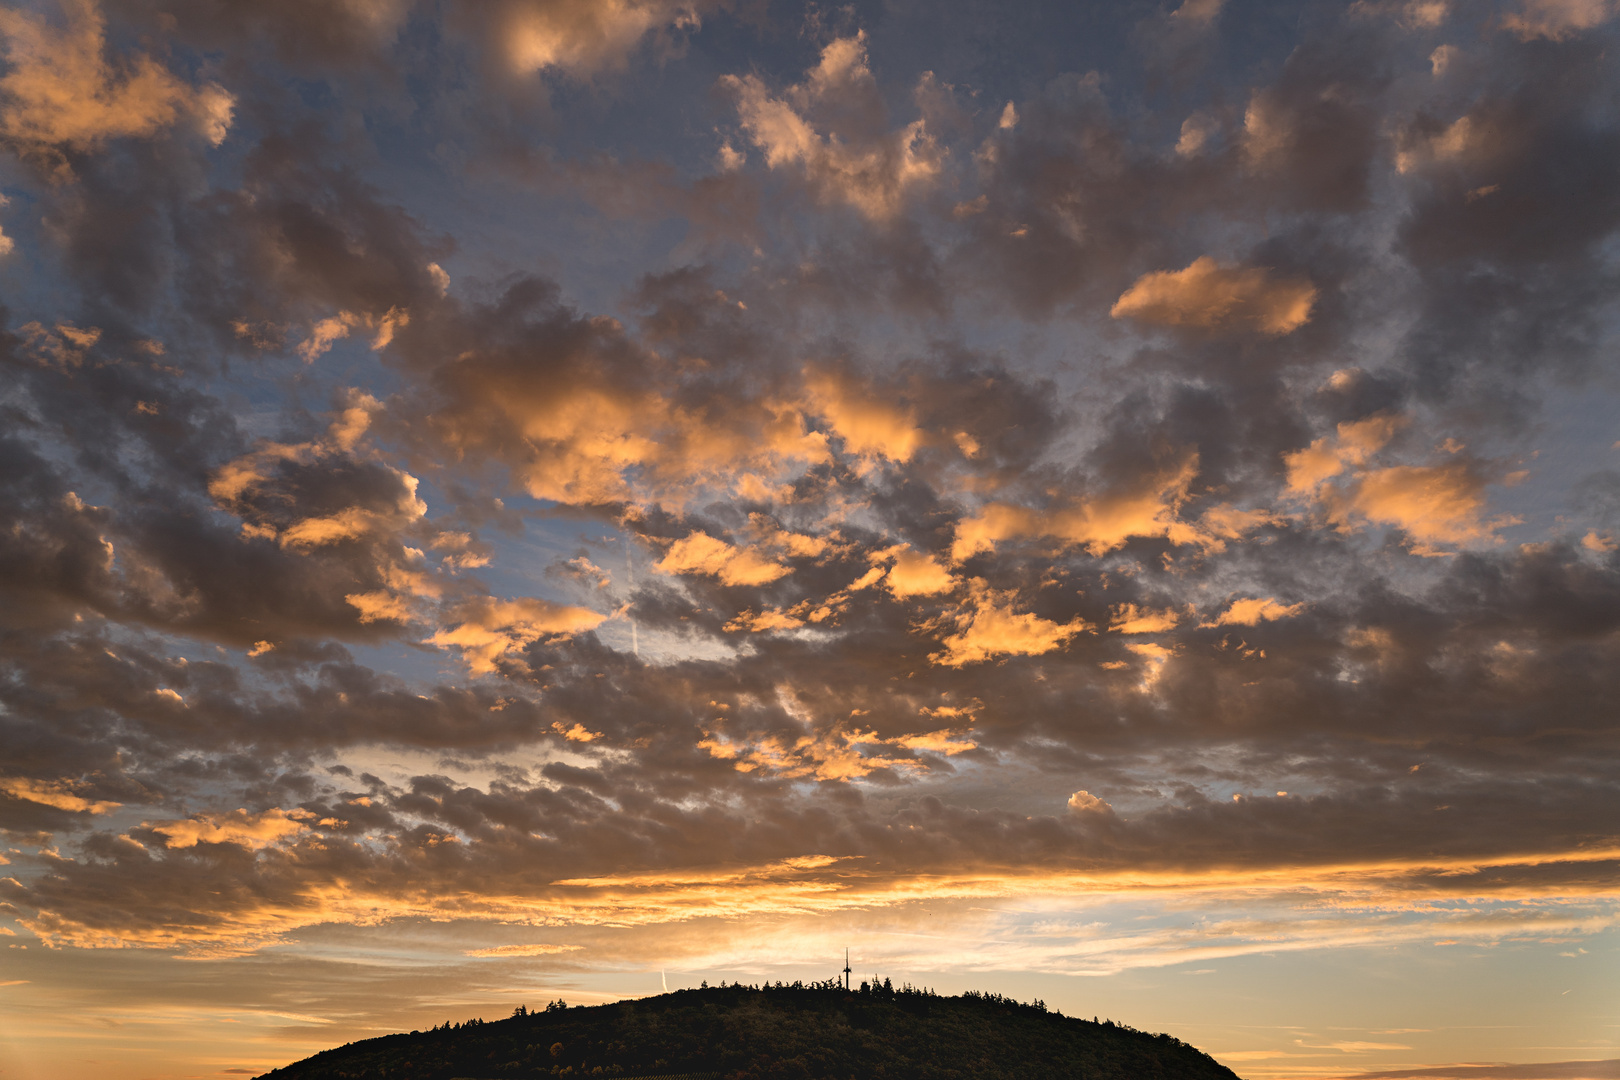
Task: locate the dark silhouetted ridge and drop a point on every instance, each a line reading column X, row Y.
column 776, row 1032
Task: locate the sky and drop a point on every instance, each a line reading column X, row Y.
column 1113, row 503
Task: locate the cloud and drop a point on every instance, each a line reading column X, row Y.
column 1198, row 131
column 765, row 621
column 488, row 629
column 945, row 741
column 59, row 92
column 1312, row 136
column 1437, row 505
column 1252, row 611
column 1129, row 619
column 1154, row 657
column 58, row 794
column 327, row 332
column 1084, row 802
column 1557, row 20
column 322, row 492
column 700, row 553
column 1209, row 296
column 62, row 346
column 582, row 37
column 239, row 478
column 917, row 574
column 1147, row 506
column 1595, row 1069
column 238, row 827
column 582, row 414
column 987, row 627
column 860, row 162
column 1198, row 12
column 354, row 522
column 833, row 755
column 524, row 950
column 1410, row 14
column 869, row 426
column 1355, row 442
column 1478, row 143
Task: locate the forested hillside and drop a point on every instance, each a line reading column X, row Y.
column 790, row 1032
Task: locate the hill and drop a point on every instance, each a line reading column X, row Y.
column 782, row 1033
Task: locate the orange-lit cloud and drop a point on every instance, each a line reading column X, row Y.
column 327, row 332
column 1557, row 20
column 1411, row 14
column 1084, row 802
column 1207, row 295
column 582, row 37
column 700, row 553
column 240, row 477
column 1154, row 657
column 767, row 533
column 1130, row 619
column 987, row 627
column 59, row 92
column 1296, row 907
column 1463, row 139
column 524, row 950
column 767, row 620
column 59, row 794
column 63, row 346
column 593, row 437
column 916, row 574
column 354, row 522
column 1326, row 457
column 834, row 755
column 1252, row 611
column 872, row 171
column 487, row 629
column 1105, row 521
column 576, row 733
column 870, row 427
column 1437, row 506
column 237, row 827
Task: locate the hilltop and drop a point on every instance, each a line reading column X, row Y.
column 793, row 1032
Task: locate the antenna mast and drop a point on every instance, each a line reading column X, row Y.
column 846, row 969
